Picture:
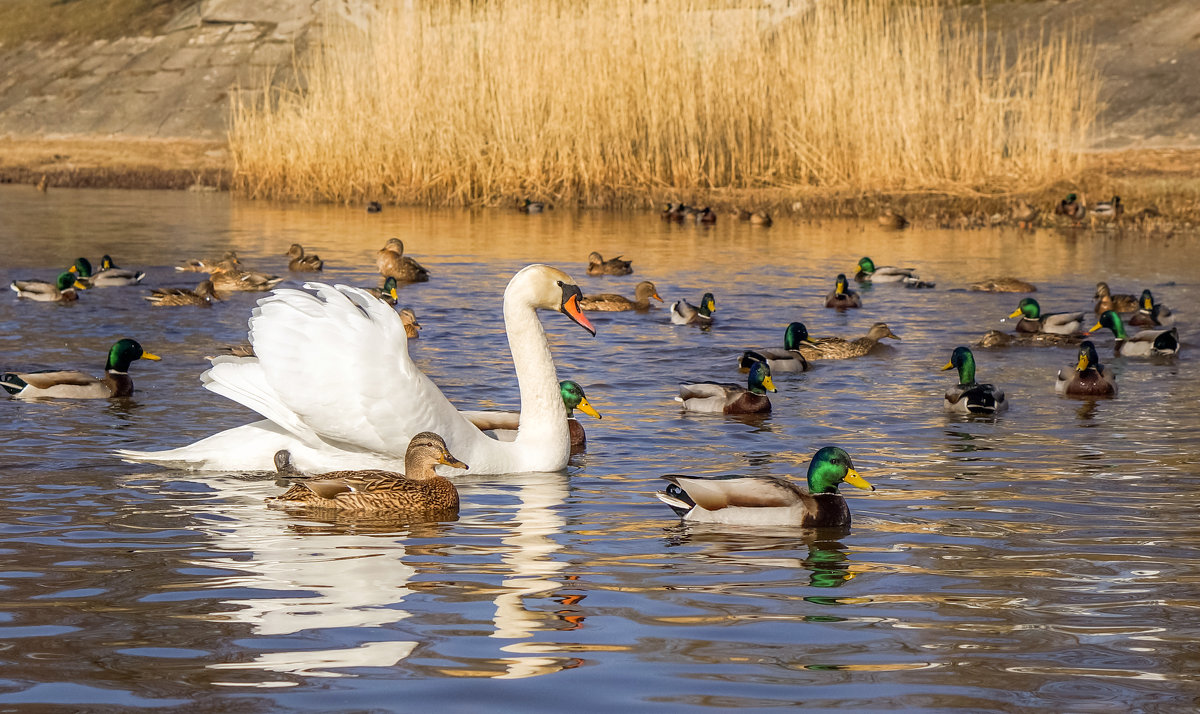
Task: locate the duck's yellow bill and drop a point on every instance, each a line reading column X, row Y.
column 587, row 409
column 1097, row 327
column 449, row 460
column 857, row 481
column 1147, row 304
column 1015, row 312
column 1083, row 363
column 769, row 384
column 949, row 365
column 79, row 286
column 147, row 355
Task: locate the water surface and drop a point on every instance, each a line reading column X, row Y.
column 1045, row 559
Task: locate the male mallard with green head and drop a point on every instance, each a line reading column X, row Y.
column 768, row 500
column 1088, row 378
column 869, row 273
column 719, row 398
column 610, row 302
column 1147, row 343
column 841, row 348
column 202, row 296
column 1055, row 323
column 842, row 297
column 788, row 359
column 685, row 313
column 597, row 265
column 1108, row 211
column 1071, row 207
column 504, row 424
column 969, row 396
column 61, row 290
column 1150, row 313
column 419, row 491
column 69, row 384
column 387, row 292
column 528, row 206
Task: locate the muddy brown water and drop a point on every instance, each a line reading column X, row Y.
column 1044, row 559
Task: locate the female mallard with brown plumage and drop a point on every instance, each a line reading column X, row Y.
column 597, row 265
column 70, row 384
column 392, row 263
column 418, row 491
column 610, row 302
column 199, row 265
column 1088, row 378
column 61, row 290
column 1151, row 314
column 1055, row 323
column 299, row 261
column 841, row 348
column 768, row 500
column 788, row 359
column 1147, row 343
column 227, row 279
column 202, row 296
column 719, row 398
column 412, row 328
column 892, row 221
column 1106, row 301
column 842, row 297
column 969, row 396
column 1003, row 284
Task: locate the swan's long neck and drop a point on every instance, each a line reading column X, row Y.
column 543, row 416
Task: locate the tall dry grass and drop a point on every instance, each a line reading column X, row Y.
column 604, row 101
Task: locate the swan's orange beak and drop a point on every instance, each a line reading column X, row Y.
column 570, row 308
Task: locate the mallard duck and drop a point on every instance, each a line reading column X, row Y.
column 374, row 207
column 1151, row 314
column 715, row 398
column 412, row 328
column 842, row 297
column 704, row 215
column 674, row 212
column 1088, row 378
column 1147, row 343
column 761, row 218
column 245, row 349
column 234, row 280
column 387, row 293
column 1108, row 211
column 841, row 348
column 968, row 396
column 868, row 273
column 609, row 302
column 893, row 221
column 597, row 265
column 67, row 384
column 528, row 206
column 299, row 262
column 1071, row 207
column 504, row 424
column 1056, row 323
column 788, row 359
column 1003, row 285
column 229, row 261
column 768, row 500
column 685, row 313
column 419, row 490
column 392, row 263
column 995, row 338
column 203, row 295
column 1024, row 214
column 1106, row 301
column 61, row 290
column 112, row 276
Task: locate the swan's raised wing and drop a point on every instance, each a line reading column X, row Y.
column 334, row 367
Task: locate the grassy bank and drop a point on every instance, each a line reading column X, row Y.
column 607, row 102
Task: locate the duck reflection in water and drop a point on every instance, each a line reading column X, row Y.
column 828, row 563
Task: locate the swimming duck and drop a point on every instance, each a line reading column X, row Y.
column 674, row 212
column 1106, row 301
column 203, row 295
column 1003, row 285
column 841, row 348
column 229, row 279
column 1071, row 207
column 685, row 313
column 704, row 215
column 418, row 491
column 109, row 275
column 528, row 206
column 1151, row 314
column 995, row 338
column 69, row 384
column 768, row 500
column 504, row 424
column 968, row 396
column 788, row 359
column 412, row 328
column 198, row 265
column 842, row 297
column 1147, row 343
column 1088, row 378
column 387, row 293
column 1056, row 323
column 715, row 398
column 597, row 265
column 868, row 273
column 892, row 220
column 61, row 290
column 299, row 262
column 374, row 207
column 609, row 302
column 1108, row 211
column 392, row 263
column 761, row 218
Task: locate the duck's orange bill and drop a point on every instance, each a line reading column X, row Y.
column 587, row 409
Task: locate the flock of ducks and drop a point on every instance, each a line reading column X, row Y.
column 345, row 452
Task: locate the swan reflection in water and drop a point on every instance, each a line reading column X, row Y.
column 320, row 575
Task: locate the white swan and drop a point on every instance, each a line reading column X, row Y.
column 365, row 414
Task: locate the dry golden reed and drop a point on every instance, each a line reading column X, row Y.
column 601, row 102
